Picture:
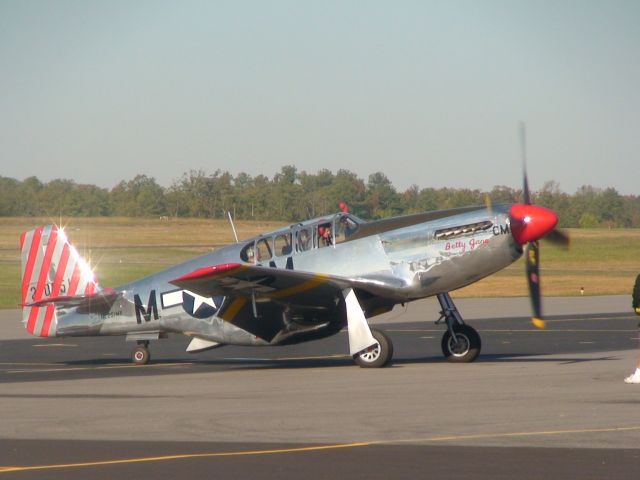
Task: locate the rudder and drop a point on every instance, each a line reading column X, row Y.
column 51, row 269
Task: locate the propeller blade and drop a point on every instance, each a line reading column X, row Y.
column 529, row 223
column 488, row 203
column 532, row 255
column 523, row 150
column 558, row 237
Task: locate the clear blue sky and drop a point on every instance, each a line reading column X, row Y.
column 429, row 93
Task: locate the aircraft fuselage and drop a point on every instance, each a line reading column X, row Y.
column 399, row 259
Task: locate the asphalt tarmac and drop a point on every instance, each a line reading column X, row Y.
column 537, row 403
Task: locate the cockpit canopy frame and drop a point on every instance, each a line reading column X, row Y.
column 301, row 237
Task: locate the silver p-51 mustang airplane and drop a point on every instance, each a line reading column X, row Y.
column 292, row 285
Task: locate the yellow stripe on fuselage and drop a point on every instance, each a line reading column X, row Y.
column 233, row 309
column 317, row 280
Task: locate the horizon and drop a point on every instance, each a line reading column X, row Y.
column 271, row 178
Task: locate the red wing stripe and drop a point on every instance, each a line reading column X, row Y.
column 55, row 291
column 44, row 270
column 216, row 270
column 33, row 253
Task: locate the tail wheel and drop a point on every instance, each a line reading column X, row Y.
column 464, row 348
column 377, row 355
column 140, row 355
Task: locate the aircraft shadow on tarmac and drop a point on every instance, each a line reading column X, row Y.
column 265, row 363
column 114, row 368
column 108, row 357
column 515, row 358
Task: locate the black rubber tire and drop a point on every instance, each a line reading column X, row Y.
column 140, row 355
column 379, row 355
column 468, row 348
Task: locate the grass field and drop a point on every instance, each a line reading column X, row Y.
column 601, row 261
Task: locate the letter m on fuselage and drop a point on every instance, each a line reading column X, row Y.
column 142, row 312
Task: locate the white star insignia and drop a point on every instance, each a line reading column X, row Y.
column 199, row 300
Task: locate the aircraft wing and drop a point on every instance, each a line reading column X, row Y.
column 245, row 285
column 281, row 285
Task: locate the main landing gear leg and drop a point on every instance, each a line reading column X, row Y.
column 140, row 354
column 460, row 343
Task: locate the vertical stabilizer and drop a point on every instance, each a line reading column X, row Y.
column 51, row 269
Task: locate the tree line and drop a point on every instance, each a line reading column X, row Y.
column 293, row 195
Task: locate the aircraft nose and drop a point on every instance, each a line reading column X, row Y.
column 530, row 222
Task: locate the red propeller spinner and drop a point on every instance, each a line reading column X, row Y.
column 530, row 222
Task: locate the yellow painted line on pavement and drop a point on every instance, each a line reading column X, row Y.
column 27, row 363
column 7, row 469
column 278, row 359
column 318, row 357
column 105, row 367
column 560, row 330
column 589, row 319
column 531, row 330
column 542, row 433
column 435, row 439
column 48, row 345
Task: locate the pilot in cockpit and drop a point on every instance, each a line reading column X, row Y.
column 324, row 235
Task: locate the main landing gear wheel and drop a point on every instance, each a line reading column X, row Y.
column 464, row 348
column 140, row 355
column 378, row 355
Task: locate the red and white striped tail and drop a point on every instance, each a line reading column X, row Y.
column 51, row 268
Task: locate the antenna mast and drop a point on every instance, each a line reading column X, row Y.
column 233, row 227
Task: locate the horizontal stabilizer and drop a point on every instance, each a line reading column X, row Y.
column 98, row 302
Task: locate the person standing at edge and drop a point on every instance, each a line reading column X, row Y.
column 635, row 303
